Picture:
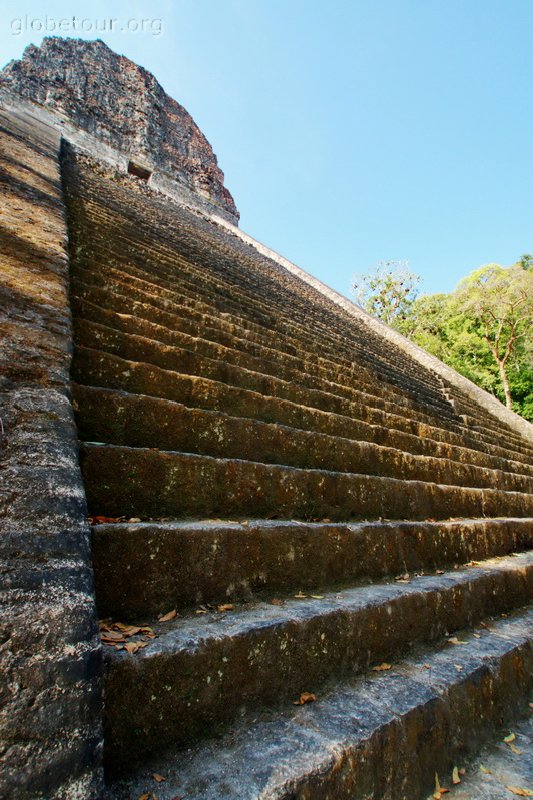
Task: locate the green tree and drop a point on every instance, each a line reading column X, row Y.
column 499, row 300
column 526, row 261
column 387, row 292
column 483, row 330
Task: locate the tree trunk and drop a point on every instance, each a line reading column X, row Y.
column 505, row 382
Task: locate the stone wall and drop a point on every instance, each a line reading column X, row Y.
column 50, row 655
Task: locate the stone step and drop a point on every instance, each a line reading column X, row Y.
column 203, row 671
column 182, row 564
column 106, row 370
column 105, row 415
column 371, row 386
column 353, row 374
column 163, row 267
column 382, row 361
column 187, row 362
column 153, row 484
column 383, row 735
column 498, row 772
column 482, row 423
column 166, row 255
column 468, row 408
column 491, row 434
column 305, row 374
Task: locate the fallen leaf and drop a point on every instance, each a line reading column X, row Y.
column 509, row 739
column 405, row 578
column 521, row 792
column 128, row 630
column 455, row 776
column 439, row 572
column 201, row 611
column 305, row 697
column 477, row 635
column 516, row 749
column 382, row 667
column 276, row 602
column 157, row 777
column 300, row 596
column 226, row 607
column 112, row 636
column 317, row 596
column 134, row 519
column 455, row 640
column 170, row 615
column 439, row 790
column 458, row 667
column 484, row 770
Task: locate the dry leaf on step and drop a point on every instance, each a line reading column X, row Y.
column 509, row 739
column 168, row 616
column 439, row 790
column 305, row 697
column 455, row 776
column 157, row 777
column 520, row 791
column 226, row 607
column 382, row 667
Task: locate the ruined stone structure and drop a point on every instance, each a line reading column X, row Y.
column 333, row 526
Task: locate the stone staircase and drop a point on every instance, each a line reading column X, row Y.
column 340, row 536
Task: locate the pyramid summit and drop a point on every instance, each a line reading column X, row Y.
column 255, row 544
column 121, row 105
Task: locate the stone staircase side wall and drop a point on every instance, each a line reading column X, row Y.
column 50, row 654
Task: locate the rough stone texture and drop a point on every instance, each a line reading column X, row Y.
column 498, row 767
column 379, row 737
column 221, row 562
column 122, row 104
column 50, row 732
column 278, row 652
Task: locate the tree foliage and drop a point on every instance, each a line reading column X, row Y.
column 500, row 301
column 484, row 329
column 388, row 291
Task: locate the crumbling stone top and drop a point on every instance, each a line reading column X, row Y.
column 121, row 103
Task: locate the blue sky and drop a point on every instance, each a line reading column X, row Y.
column 349, row 132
